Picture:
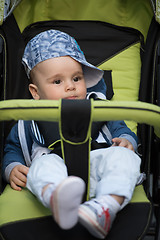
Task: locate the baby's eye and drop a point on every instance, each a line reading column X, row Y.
column 57, row 81
column 76, row 79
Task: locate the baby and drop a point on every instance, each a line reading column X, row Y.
column 57, row 69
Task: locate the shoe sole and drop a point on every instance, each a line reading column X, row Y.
column 66, row 201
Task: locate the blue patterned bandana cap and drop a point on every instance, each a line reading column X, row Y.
column 53, row 43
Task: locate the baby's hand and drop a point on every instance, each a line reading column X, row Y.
column 122, row 142
column 18, row 177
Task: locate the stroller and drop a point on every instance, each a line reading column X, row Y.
column 120, row 37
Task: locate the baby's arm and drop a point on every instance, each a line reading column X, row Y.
column 119, row 130
column 18, row 177
column 14, row 169
column 122, row 142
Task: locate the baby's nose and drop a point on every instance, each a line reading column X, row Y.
column 70, row 86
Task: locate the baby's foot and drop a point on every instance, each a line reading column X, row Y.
column 96, row 217
column 65, row 201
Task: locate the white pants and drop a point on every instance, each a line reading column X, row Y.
column 114, row 170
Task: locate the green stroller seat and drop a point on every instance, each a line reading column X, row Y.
column 116, row 49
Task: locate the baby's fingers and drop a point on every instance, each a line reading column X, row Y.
column 130, row 146
column 15, row 187
column 23, row 169
column 116, row 141
column 20, row 178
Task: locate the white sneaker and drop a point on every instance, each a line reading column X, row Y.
column 65, row 201
column 95, row 216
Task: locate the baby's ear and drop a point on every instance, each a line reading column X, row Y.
column 34, row 91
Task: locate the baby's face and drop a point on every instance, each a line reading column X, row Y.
column 58, row 78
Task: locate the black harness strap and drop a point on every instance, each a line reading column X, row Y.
column 75, row 127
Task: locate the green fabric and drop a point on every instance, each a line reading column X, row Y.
column 139, row 195
column 126, row 80
column 124, row 13
column 16, row 206
column 117, row 110
column 49, row 110
column 25, row 109
column 126, row 73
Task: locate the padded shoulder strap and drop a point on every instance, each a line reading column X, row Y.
column 23, row 142
column 75, row 132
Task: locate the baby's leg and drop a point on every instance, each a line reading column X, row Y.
column 48, row 170
column 48, row 180
column 114, row 173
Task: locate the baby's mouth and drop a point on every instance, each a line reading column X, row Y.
column 71, row 97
